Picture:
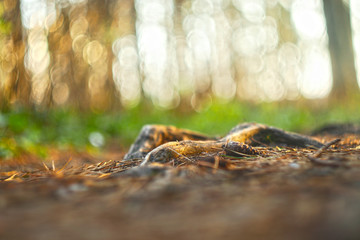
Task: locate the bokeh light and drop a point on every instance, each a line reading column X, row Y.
column 125, row 70
column 355, row 23
column 174, row 51
column 309, row 21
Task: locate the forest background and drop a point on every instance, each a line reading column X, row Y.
column 89, row 74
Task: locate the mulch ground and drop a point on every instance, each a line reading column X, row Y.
column 284, row 194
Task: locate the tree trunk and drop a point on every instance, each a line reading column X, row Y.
column 20, row 87
column 341, row 48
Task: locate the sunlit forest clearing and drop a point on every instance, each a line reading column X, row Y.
column 179, row 119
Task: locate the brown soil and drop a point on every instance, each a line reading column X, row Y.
column 284, row 194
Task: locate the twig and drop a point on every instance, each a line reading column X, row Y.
column 326, row 146
column 68, row 161
column 53, row 165
column 190, row 160
column 46, row 167
column 314, row 158
column 11, row 177
column 239, row 153
column 216, row 163
column 261, row 143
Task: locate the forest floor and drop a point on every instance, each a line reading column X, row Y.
column 287, row 194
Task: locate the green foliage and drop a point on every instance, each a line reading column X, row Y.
column 5, row 26
column 33, row 132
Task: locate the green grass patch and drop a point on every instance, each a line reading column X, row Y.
column 22, row 130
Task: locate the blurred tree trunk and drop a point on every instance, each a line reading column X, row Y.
column 341, row 48
column 100, row 17
column 19, row 86
column 79, row 91
column 59, row 42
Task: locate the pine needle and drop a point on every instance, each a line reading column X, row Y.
column 68, row 161
column 46, row 167
column 53, row 165
column 10, row 178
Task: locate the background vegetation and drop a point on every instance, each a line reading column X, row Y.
column 81, row 73
column 26, row 131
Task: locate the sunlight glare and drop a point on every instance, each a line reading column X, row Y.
column 355, row 24
column 253, row 11
column 34, row 13
column 308, row 19
column 155, row 43
column 316, row 81
column 125, row 70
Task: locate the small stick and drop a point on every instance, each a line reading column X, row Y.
column 10, row 178
column 46, row 167
column 261, row 143
column 190, row 160
column 326, row 146
column 314, row 158
column 65, row 164
column 216, row 163
column 53, row 165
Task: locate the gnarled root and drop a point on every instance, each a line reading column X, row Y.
column 185, row 149
column 191, row 151
column 256, row 134
column 155, row 148
column 152, row 136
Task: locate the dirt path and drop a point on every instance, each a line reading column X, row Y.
column 286, row 195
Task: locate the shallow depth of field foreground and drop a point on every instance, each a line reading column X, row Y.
column 286, row 193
